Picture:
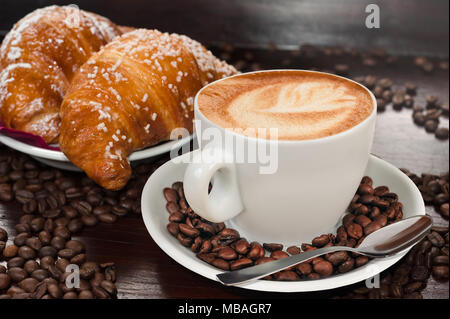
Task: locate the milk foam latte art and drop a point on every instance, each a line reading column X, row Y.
column 302, row 105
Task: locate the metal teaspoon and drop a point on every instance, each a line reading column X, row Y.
column 384, row 242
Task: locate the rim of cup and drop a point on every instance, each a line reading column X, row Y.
column 329, row 138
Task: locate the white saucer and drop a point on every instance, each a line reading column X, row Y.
column 156, row 219
column 59, row 160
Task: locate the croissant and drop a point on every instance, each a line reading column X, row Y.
column 38, row 59
column 130, row 95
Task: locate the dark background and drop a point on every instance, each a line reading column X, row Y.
column 407, row 26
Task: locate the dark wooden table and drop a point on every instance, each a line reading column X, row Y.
column 145, row 271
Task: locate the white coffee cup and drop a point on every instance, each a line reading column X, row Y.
column 313, row 185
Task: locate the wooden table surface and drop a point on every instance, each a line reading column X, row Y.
column 145, row 271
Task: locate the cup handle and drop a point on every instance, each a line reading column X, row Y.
column 224, row 201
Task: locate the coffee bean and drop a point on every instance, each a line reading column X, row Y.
column 176, row 217
column 66, row 253
column 221, row 264
column 173, row 228
column 23, row 196
column 440, row 273
column 380, row 191
column 172, row 207
column 83, row 207
column 241, row 263
column 341, row 234
column 37, row 224
column 109, row 287
column 442, row 133
column 304, row 268
column 431, row 126
column 5, row 281
column 21, row 239
column 34, row 243
column 396, row 291
column 6, row 194
column 54, row 272
column 321, row 241
column 17, row 274
column 323, row 268
column 47, row 261
column 420, row 273
column 286, row 275
column 346, row 266
column 16, row 262
column 241, row 246
column 10, row 251
column 371, row 227
column 70, row 295
column 398, row 100
column 365, row 189
column 227, row 253
column 119, row 211
column 78, row 259
column 89, row 220
column 207, row 257
column 348, row 220
column 184, row 240
column 101, row 210
column 307, row 247
column 170, row 195
column 440, row 260
column 436, row 239
column 361, row 261
column 188, row 230
column 44, row 237
column 362, row 220
column 75, row 225
column 337, row 258
column 107, row 218
column 40, row 274
column 293, row 250
column 381, row 105
column 76, row 245
column 354, row 231
column 256, row 251
column 272, row 247
column 228, row 236
column 55, row 291
column 58, row 242
column 26, row 253
column 28, row 284
column 279, row 254
column 30, row 266
column 47, row 251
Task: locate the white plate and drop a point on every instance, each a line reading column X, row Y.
column 59, row 160
column 156, row 218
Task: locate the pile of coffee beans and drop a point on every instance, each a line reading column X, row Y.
column 370, row 209
column 428, row 66
column 434, row 190
column 410, row 275
column 56, row 205
column 385, row 94
column 37, row 269
column 429, row 116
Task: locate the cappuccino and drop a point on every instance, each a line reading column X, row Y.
column 302, row 105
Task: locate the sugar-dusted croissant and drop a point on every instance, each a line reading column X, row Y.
column 130, row 95
column 38, row 59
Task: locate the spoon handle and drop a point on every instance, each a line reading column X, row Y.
column 262, row 270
